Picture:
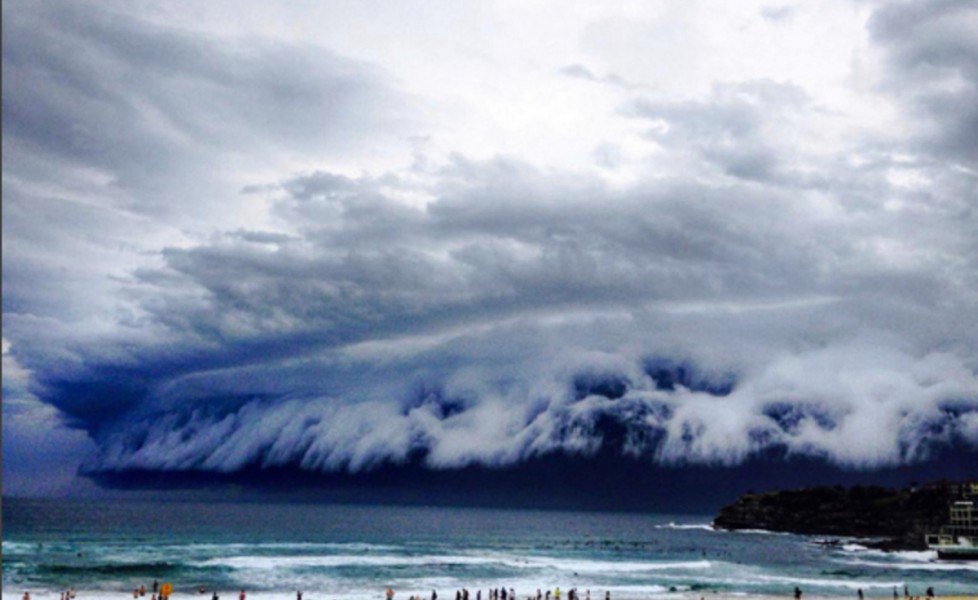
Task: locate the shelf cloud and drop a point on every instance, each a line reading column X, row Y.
column 227, row 249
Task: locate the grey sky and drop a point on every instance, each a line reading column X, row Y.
column 331, row 235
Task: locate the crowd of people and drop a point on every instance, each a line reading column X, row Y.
column 500, row 594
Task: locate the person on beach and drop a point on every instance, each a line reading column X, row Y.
column 27, row 596
column 607, row 595
column 930, row 592
column 797, row 593
column 556, row 594
column 156, row 586
column 434, row 595
column 214, row 597
column 241, row 596
column 389, row 594
column 895, row 595
column 859, row 593
column 298, row 595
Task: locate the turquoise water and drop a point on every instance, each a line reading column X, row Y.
column 340, row 552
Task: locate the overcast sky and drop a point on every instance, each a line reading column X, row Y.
column 335, row 235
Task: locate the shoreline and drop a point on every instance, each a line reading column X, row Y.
column 379, row 595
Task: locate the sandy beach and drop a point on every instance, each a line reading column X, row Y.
column 116, row 595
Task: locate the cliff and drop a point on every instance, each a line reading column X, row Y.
column 901, row 517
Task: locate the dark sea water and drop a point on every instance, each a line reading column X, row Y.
column 105, row 549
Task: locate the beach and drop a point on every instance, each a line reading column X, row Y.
column 338, row 552
column 379, row 595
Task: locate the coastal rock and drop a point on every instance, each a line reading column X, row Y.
column 900, row 517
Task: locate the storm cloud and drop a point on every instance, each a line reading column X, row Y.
column 210, row 264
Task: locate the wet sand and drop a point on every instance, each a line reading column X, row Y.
column 115, row 595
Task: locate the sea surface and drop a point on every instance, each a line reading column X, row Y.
column 105, row 549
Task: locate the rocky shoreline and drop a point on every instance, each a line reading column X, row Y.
column 890, row 519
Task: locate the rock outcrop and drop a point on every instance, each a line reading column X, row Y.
column 897, row 519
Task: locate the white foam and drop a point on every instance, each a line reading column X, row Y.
column 760, row 532
column 906, row 555
column 915, row 566
column 639, row 590
column 350, row 547
column 686, row 526
column 596, row 566
column 854, row 547
column 842, row 583
column 17, row 546
column 258, row 562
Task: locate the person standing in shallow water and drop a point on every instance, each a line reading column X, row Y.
column 797, row 593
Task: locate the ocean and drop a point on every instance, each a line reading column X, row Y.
column 333, row 552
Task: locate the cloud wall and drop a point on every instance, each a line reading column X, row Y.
column 212, row 261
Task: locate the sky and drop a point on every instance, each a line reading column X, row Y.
column 332, row 238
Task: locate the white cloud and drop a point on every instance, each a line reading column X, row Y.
column 327, row 235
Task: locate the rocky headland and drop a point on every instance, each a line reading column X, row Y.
column 890, row 519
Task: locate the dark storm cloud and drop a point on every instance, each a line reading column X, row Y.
column 735, row 129
column 519, row 314
column 118, row 133
column 102, row 88
column 933, row 59
column 764, row 296
column 119, row 137
column 502, row 237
